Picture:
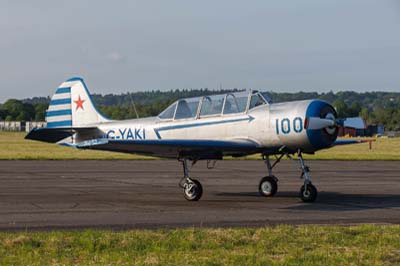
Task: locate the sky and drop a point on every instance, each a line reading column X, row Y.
column 120, row 46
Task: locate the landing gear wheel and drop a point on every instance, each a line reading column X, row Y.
column 268, row 186
column 308, row 194
column 192, row 190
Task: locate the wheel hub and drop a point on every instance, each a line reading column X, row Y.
column 266, row 187
column 190, row 189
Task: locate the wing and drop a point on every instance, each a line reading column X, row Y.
column 175, row 148
column 351, row 141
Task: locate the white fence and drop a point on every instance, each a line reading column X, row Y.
column 11, row 126
column 20, row 126
column 31, row 125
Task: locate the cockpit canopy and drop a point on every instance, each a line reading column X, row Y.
column 215, row 105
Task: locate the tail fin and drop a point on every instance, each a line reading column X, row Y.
column 72, row 106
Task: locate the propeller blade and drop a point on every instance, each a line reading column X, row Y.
column 319, row 123
column 352, row 122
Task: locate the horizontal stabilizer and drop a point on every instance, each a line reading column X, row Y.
column 53, row 135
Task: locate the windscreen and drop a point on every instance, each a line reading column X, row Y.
column 168, row 113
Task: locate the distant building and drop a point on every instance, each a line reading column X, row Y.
column 359, row 128
column 353, row 127
column 347, row 131
column 373, row 130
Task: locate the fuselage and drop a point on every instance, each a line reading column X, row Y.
column 241, row 122
column 273, row 127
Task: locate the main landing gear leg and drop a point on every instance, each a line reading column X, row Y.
column 308, row 192
column 192, row 189
column 269, row 184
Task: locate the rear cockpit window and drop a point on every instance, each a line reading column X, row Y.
column 212, row 105
column 187, row 108
column 235, row 103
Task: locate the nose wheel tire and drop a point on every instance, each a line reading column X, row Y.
column 192, row 190
column 308, row 193
column 268, row 186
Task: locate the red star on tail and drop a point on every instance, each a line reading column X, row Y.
column 79, row 103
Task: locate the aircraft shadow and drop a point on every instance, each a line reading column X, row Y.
column 333, row 201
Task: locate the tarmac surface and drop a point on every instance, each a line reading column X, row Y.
column 43, row 195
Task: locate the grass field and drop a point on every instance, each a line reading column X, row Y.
column 14, row 147
column 280, row 245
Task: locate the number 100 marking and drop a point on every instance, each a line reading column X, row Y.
column 284, row 125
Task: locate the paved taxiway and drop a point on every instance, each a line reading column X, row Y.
column 145, row 194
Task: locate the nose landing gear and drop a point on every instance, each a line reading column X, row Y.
column 268, row 185
column 308, row 192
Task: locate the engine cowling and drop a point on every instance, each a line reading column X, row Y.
column 305, row 125
column 324, row 136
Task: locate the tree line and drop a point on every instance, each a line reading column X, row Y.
column 375, row 107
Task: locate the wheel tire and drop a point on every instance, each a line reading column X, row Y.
column 195, row 192
column 268, row 186
column 309, row 195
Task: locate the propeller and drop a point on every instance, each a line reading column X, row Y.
column 319, row 123
column 330, row 123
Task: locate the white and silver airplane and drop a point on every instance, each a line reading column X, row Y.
column 201, row 128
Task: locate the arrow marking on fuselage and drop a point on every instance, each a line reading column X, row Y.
column 157, row 130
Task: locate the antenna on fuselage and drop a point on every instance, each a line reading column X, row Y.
column 133, row 104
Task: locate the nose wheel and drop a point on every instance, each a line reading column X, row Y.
column 308, row 193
